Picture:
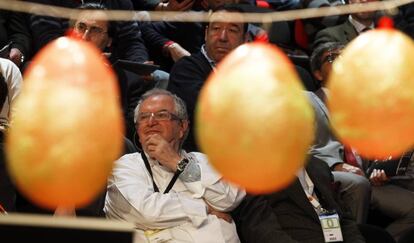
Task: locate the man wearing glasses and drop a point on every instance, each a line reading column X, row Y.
column 93, row 28
column 189, row 73
column 169, row 194
column 127, row 45
column 354, row 187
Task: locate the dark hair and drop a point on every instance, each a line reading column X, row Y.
column 316, row 57
column 232, row 8
column 95, row 6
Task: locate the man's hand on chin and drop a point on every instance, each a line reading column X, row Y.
column 162, row 151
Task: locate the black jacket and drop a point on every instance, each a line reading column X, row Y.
column 186, row 80
column 287, row 216
column 13, row 27
column 127, row 41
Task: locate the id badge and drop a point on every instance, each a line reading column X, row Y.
column 158, row 236
column 331, row 227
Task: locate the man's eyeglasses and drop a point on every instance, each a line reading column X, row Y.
column 92, row 30
column 330, row 57
column 158, row 116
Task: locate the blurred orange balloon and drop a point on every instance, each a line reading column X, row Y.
column 253, row 119
column 67, row 127
column 372, row 94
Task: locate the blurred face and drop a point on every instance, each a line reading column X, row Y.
column 363, row 16
column 157, row 115
column 327, row 59
column 222, row 37
column 93, row 31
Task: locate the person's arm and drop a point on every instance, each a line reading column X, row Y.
column 187, row 76
column 198, row 176
column 256, row 222
column 131, row 197
column 161, row 36
column 207, row 184
column 20, row 36
column 323, row 36
column 325, row 146
column 174, row 5
column 45, row 29
column 14, row 81
column 129, row 42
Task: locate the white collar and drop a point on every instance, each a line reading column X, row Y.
column 358, row 26
column 210, row 61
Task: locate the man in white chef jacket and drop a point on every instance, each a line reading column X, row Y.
column 170, row 195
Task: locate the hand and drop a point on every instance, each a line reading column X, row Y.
column 348, row 168
column 176, row 51
column 162, row 151
column 378, row 177
column 149, row 77
column 16, row 56
column 221, row 215
column 175, row 5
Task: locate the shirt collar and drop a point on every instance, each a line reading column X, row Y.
column 358, row 26
column 210, row 61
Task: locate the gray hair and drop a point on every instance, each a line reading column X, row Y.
column 179, row 105
column 315, row 59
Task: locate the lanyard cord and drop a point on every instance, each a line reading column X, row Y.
column 172, row 182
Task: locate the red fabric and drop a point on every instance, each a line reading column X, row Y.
column 301, row 38
column 263, row 37
column 262, row 4
column 168, row 43
column 349, row 156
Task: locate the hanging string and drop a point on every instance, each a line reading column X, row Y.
column 119, row 15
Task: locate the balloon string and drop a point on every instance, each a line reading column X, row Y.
column 118, row 15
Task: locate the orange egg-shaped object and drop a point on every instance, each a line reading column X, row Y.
column 371, row 98
column 253, row 119
column 67, row 128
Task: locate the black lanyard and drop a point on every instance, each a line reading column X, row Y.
column 170, row 185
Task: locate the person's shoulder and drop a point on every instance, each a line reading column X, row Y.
column 334, row 29
column 199, row 156
column 128, row 160
column 7, row 63
column 8, row 67
column 195, row 66
column 194, row 58
column 330, row 30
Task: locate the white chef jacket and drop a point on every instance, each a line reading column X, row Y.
column 182, row 211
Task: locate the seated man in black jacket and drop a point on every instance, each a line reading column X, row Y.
column 127, row 43
column 189, row 73
column 101, row 33
column 299, row 213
